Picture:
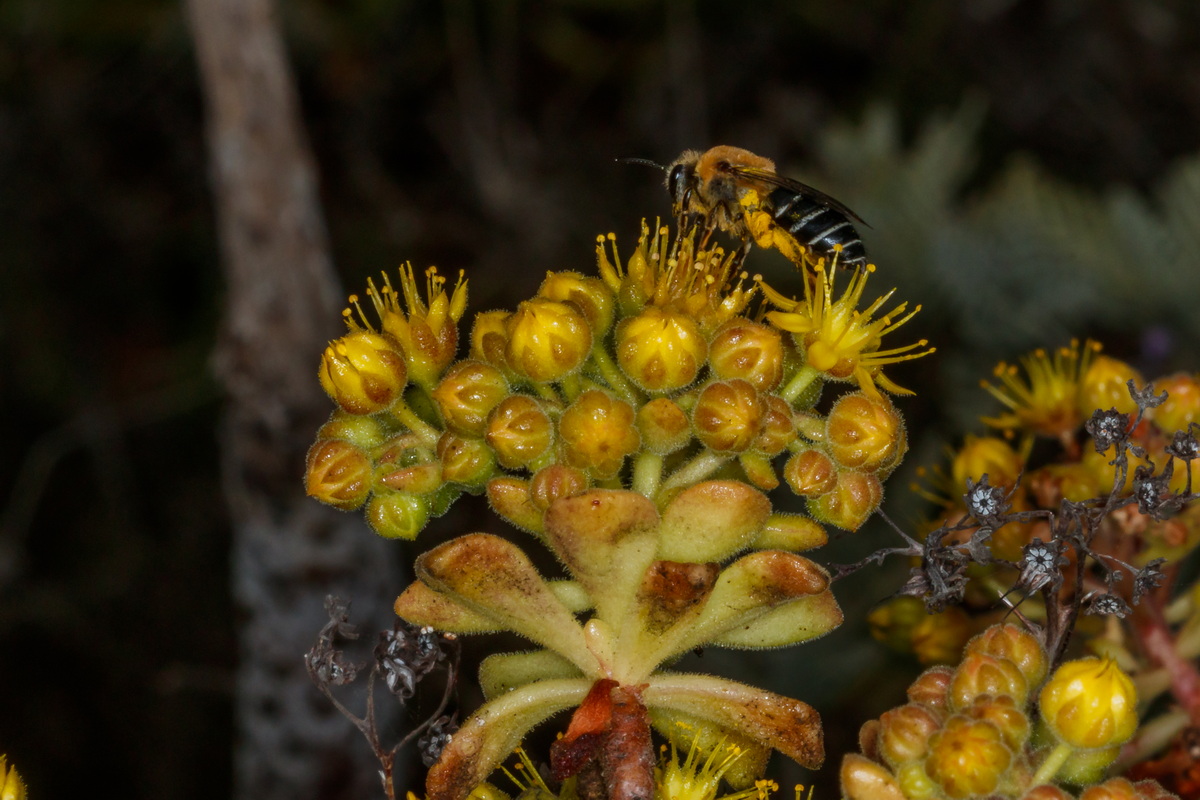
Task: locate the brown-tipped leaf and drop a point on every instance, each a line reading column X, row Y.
column 711, row 521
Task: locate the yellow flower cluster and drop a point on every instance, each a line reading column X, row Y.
column 970, row 731
column 663, row 370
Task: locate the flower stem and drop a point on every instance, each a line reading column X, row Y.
column 801, row 381
column 614, row 377
column 428, row 434
column 1053, row 763
column 647, row 474
column 695, row 470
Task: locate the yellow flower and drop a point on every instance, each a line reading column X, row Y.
column 363, row 372
column 1046, row 401
column 11, row 785
column 1090, row 703
column 427, row 330
column 840, row 340
column 547, row 340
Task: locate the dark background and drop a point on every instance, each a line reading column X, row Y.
column 1028, row 168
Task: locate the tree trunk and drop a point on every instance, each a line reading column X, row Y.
column 283, row 304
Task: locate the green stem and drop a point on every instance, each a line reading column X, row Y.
column 695, row 470
column 1053, row 763
column 428, row 434
column 616, row 379
column 647, row 473
column 801, row 381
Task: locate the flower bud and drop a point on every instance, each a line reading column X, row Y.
column 810, row 473
column 985, row 455
column 489, row 337
column 863, row 779
column 967, row 758
column 364, row 432
column 660, row 350
column 546, row 340
column 1104, row 386
column 759, row 470
column 588, row 294
column 519, row 431
column 1182, row 406
column 779, row 429
column 1122, row 789
column 1084, row 767
column 509, row 497
column 932, row 688
column 363, row 372
column 1011, row 721
column 863, row 433
column 1046, row 791
column 664, row 426
column 555, row 481
column 1090, row 703
column 747, row 350
column 465, row 460
column 425, row 478
column 338, row 473
column 728, row 416
column 939, row 638
column 904, row 733
column 915, row 782
column 1016, row 644
column 979, row 674
column 467, row 393
column 597, row 433
column 397, row 515
column 852, row 501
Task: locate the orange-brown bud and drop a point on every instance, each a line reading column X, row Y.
column 863, row 433
column 980, row 674
column 904, row 733
column 546, row 340
column 863, row 779
column 1047, row 791
column 779, row 428
column 467, row 393
column 588, row 294
column 465, row 460
column 1090, row 703
column 660, row 350
column 1015, row 644
column 932, row 688
column 985, row 455
column 397, row 515
column 1011, row 721
column 338, row 473
column 1182, row 406
column 1103, row 386
column 852, row 501
column 597, row 433
column 1123, row 789
column 519, row 431
column 489, row 337
column 555, row 481
column 747, row 350
column 810, row 473
column 967, row 758
column 364, row 372
column 664, row 426
column 728, row 416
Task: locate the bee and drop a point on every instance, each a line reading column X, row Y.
column 740, row 193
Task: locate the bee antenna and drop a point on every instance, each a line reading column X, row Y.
column 644, row 161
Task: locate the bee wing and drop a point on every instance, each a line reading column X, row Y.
column 775, row 179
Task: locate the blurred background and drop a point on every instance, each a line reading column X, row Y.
column 1030, row 170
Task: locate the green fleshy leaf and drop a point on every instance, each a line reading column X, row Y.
column 420, row 605
column 606, row 539
column 711, row 521
column 489, row 735
column 798, row 621
column 494, row 579
column 789, row 726
column 501, row 673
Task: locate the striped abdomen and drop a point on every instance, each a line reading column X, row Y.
column 819, row 227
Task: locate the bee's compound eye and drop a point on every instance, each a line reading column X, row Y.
column 679, row 182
